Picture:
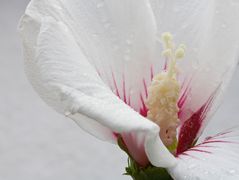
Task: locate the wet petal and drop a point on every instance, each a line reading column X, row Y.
column 67, row 81
column 118, row 38
column 215, row 158
column 211, row 36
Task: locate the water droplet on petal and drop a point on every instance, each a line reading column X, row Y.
column 232, row 171
column 207, row 69
column 192, row 166
column 127, row 50
column 104, row 20
column 115, row 47
column 95, row 35
column 185, row 177
column 84, row 74
column 184, row 26
column 128, row 42
column 100, row 5
column 176, row 9
column 58, row 7
column 223, row 25
column 126, row 58
column 131, row 92
column 107, row 25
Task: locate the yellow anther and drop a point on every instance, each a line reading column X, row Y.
column 180, row 53
column 167, row 38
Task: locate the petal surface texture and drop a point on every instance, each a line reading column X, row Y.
column 210, row 33
column 215, row 158
column 67, row 79
column 118, row 38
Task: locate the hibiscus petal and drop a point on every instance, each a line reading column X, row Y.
column 215, row 158
column 64, row 78
column 118, row 38
column 187, row 21
column 211, row 36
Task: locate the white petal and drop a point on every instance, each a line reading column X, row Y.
column 210, row 32
column 39, row 72
column 64, row 78
column 118, row 38
column 223, row 58
column 187, row 21
column 215, row 158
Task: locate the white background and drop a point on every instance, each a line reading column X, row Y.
column 38, row 144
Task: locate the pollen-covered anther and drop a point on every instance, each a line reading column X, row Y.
column 180, row 53
column 164, row 93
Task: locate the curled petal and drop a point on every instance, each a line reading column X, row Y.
column 66, row 80
column 118, row 38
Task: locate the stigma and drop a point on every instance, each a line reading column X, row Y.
column 164, row 92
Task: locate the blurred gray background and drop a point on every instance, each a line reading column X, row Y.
column 37, row 143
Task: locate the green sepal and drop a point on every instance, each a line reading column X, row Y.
column 146, row 173
column 142, row 173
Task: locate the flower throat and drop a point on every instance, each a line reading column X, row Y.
column 164, row 92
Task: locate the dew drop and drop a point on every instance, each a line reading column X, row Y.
column 104, row 20
column 84, row 74
column 235, row 2
column 115, row 91
column 148, row 5
column 100, row 5
column 185, row 177
column 127, row 50
column 176, row 9
column 195, row 50
column 115, row 47
column 95, row 35
column 126, row 58
column 207, row 69
column 58, row 7
column 107, row 25
column 223, row 25
column 184, row 26
column 128, row 42
column 232, row 171
column 131, row 92
column 192, row 166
